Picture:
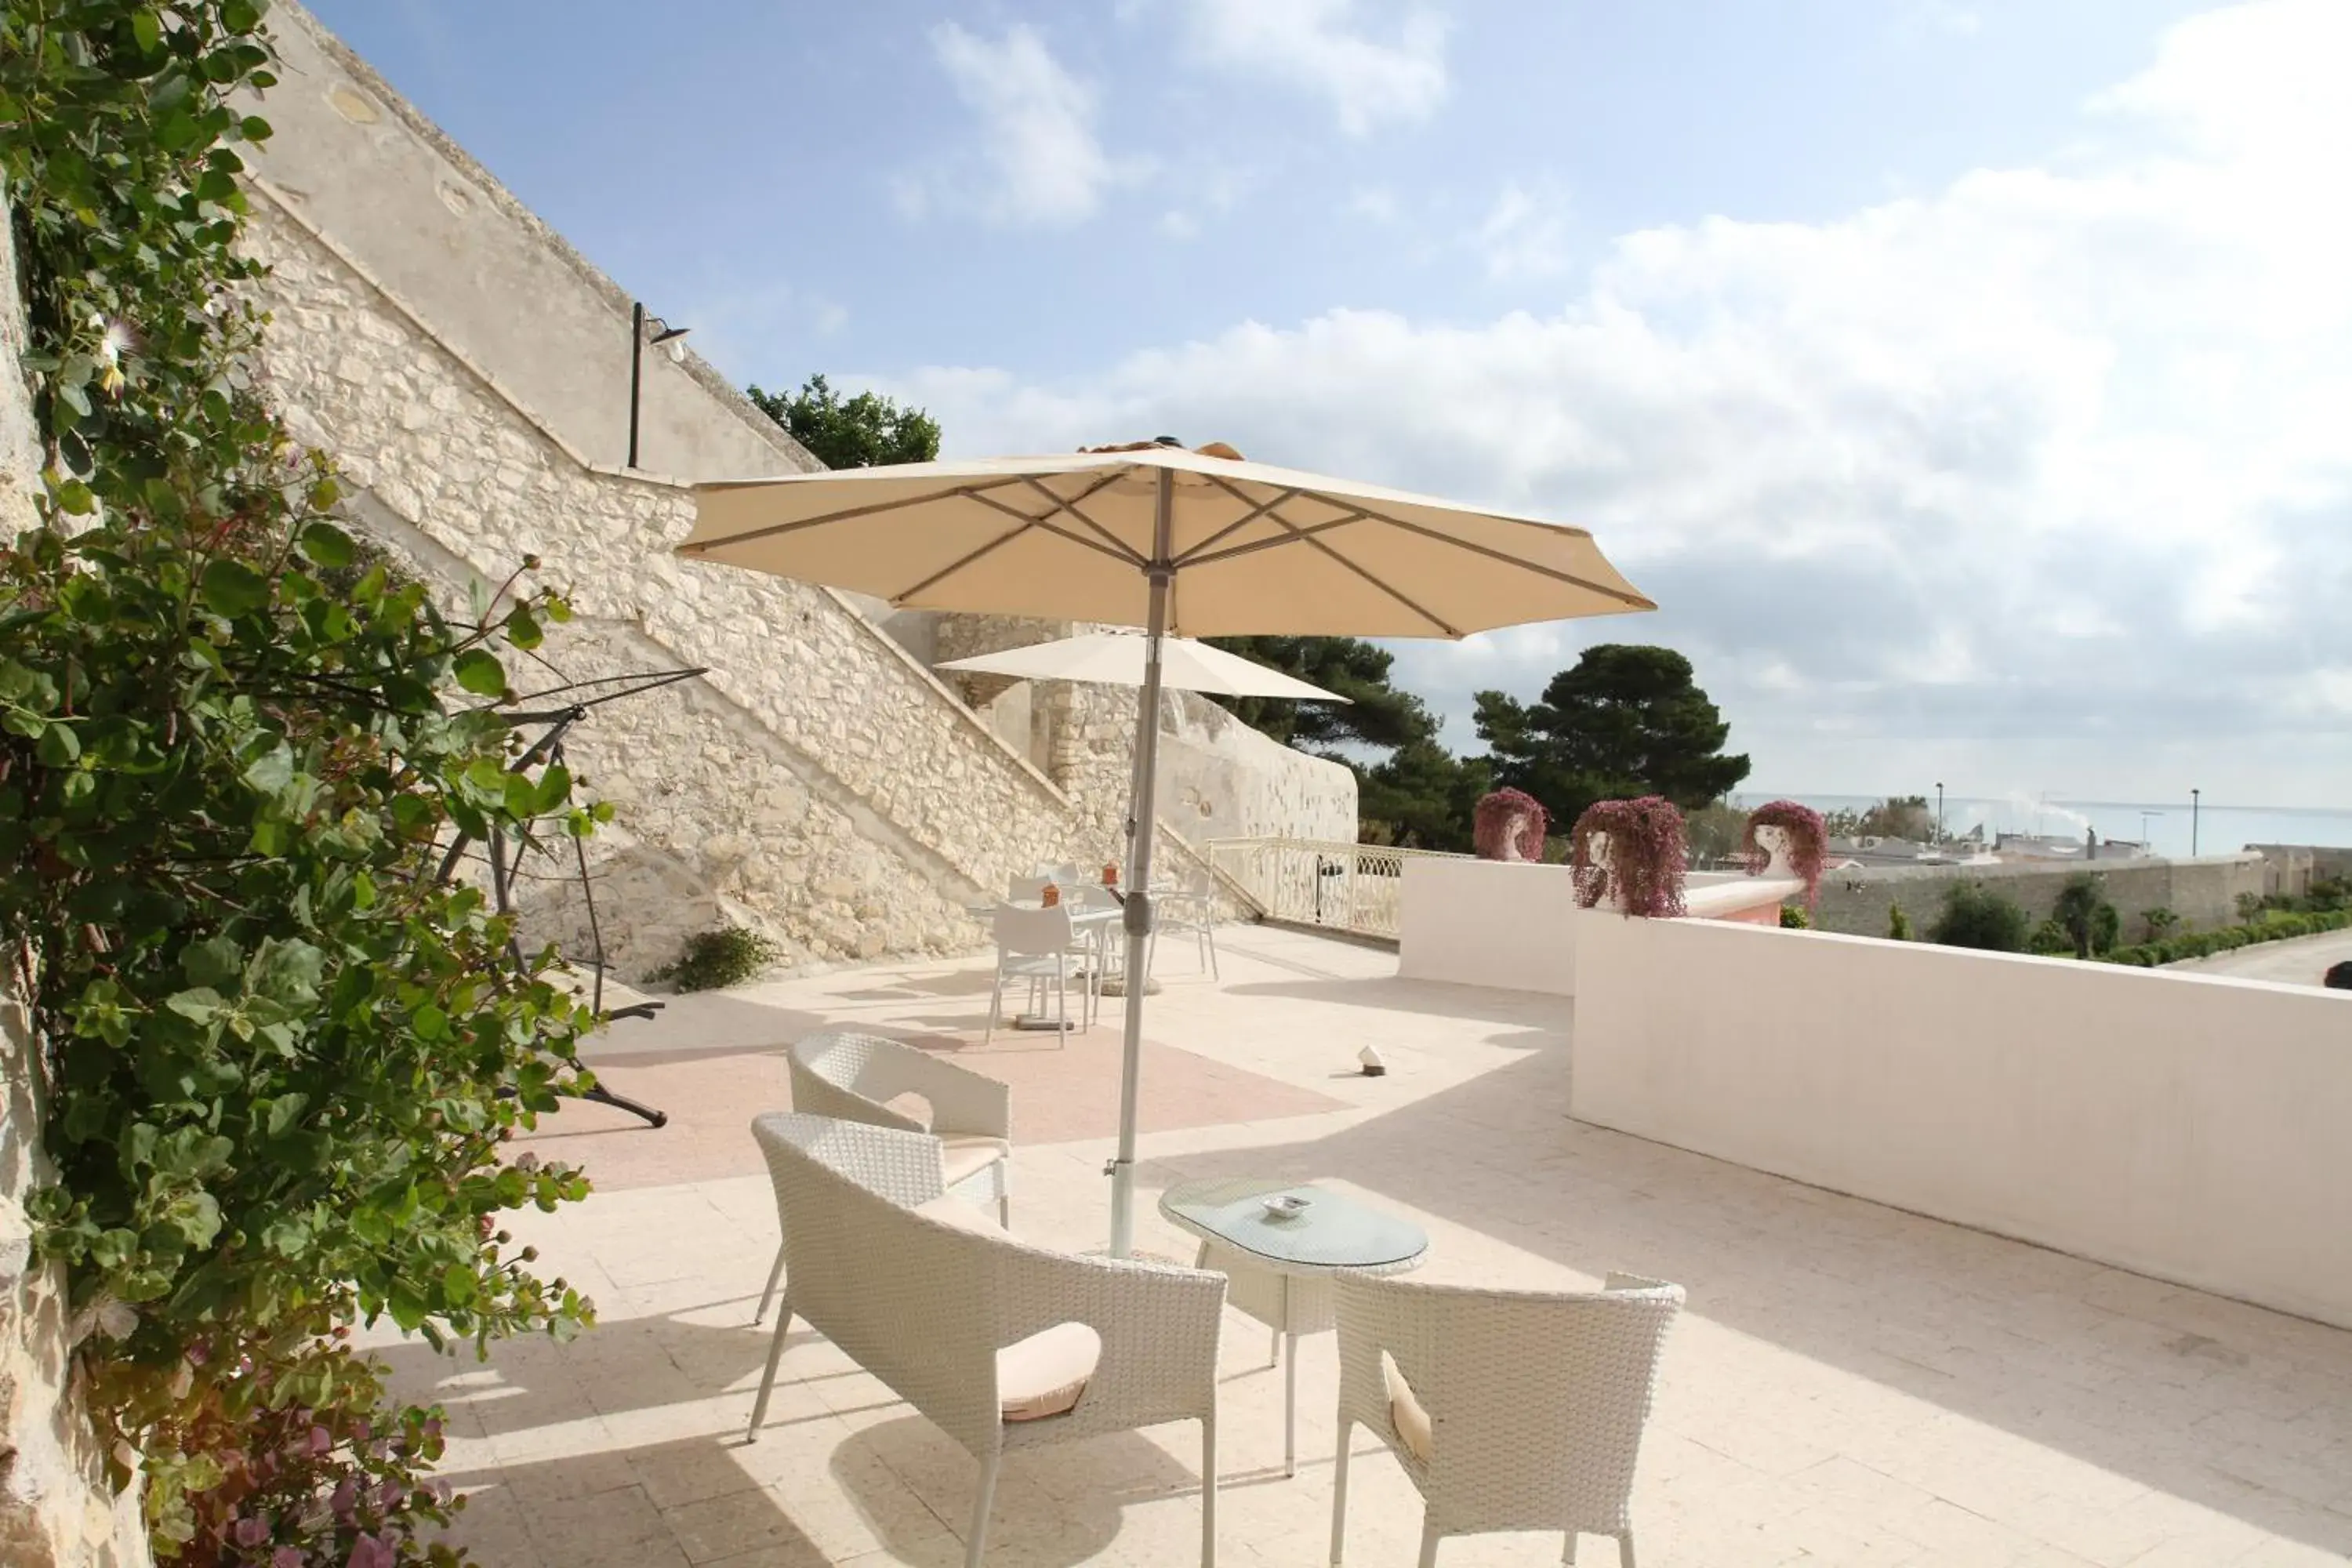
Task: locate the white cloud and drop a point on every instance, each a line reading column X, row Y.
column 1524, row 235
column 1376, row 203
column 1039, row 159
column 1326, row 48
column 2045, row 471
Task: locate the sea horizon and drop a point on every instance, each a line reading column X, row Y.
column 2164, row 825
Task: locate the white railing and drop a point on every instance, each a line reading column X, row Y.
column 1357, row 887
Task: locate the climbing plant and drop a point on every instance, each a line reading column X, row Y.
column 282, row 1050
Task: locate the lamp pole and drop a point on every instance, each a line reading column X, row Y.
column 1940, row 810
column 663, row 334
column 2193, row 803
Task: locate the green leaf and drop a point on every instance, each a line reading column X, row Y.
column 286, row 1238
column 479, row 672
column 231, row 588
column 59, row 746
column 273, row 771
column 213, row 962
column 147, row 30
column 284, row 1112
column 328, row 545
column 430, row 1023
column 458, row 1285
column 200, row 1006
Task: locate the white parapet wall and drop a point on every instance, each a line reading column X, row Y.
column 1513, row 924
column 2188, row 1128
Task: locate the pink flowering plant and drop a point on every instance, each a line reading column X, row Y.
column 1506, row 820
column 1648, row 862
column 1808, row 843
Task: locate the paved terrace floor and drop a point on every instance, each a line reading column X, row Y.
column 1849, row 1384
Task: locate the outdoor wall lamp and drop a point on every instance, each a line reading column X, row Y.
column 643, row 330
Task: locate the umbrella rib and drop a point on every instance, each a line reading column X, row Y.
column 705, row 546
column 1071, row 506
column 1195, row 554
column 1007, row 537
column 1120, row 553
column 1635, row 600
column 1300, row 533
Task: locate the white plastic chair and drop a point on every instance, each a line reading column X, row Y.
column 1037, row 946
column 1188, row 907
column 1001, row 1345
column 1508, row 1410
column 853, row 1077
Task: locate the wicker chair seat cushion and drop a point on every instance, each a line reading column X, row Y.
column 1046, row 1374
column 964, row 1156
column 1411, row 1422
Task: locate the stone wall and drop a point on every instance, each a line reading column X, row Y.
column 2202, row 892
column 917, row 805
column 56, row 1510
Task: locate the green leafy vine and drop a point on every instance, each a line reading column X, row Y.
column 281, row 1052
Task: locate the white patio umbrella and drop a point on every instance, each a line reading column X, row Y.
column 1170, row 540
column 1123, row 659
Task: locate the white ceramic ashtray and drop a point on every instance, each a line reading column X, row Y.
column 1286, row 1205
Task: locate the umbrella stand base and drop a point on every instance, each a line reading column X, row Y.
column 1116, row 985
column 1044, row 1022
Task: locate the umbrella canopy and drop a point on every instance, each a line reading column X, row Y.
column 1152, row 534
column 1253, row 548
column 1118, row 659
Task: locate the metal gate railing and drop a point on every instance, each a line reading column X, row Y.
column 1355, row 887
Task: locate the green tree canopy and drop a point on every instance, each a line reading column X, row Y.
column 861, row 432
column 1626, row 721
column 1375, row 714
column 1420, row 794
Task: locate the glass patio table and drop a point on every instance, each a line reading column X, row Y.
column 1279, row 1269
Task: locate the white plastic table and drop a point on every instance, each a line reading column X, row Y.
column 1280, row 1269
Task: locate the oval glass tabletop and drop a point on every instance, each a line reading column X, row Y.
column 1331, row 1231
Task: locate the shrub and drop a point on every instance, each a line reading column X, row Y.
column 2268, row 927
column 281, row 1054
column 1898, row 924
column 2083, row 913
column 1795, row 919
column 1508, row 825
column 2049, row 939
column 2158, row 922
column 1975, row 915
column 1808, row 842
column 715, row 959
column 1647, row 861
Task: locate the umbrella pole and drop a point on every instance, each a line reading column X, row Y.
column 1138, row 921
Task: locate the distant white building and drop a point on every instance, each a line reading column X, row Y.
column 2059, row 846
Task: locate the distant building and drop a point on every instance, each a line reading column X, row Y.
column 2058, row 847
column 1879, row 849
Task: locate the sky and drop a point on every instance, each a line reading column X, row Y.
column 1969, row 381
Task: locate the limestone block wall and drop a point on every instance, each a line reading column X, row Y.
column 2204, row 891
column 56, row 1510
column 1221, row 779
column 454, row 465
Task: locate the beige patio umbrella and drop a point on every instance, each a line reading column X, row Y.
column 1123, row 659
column 1204, row 543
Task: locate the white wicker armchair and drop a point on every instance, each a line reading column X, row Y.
column 853, row 1077
column 1001, row 1344
column 1509, row 1410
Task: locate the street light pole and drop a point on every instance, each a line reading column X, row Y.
column 1940, row 810
column 663, row 334
column 2193, row 803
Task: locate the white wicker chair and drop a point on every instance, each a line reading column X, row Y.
column 1509, row 1410
column 853, row 1077
column 973, row 1328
